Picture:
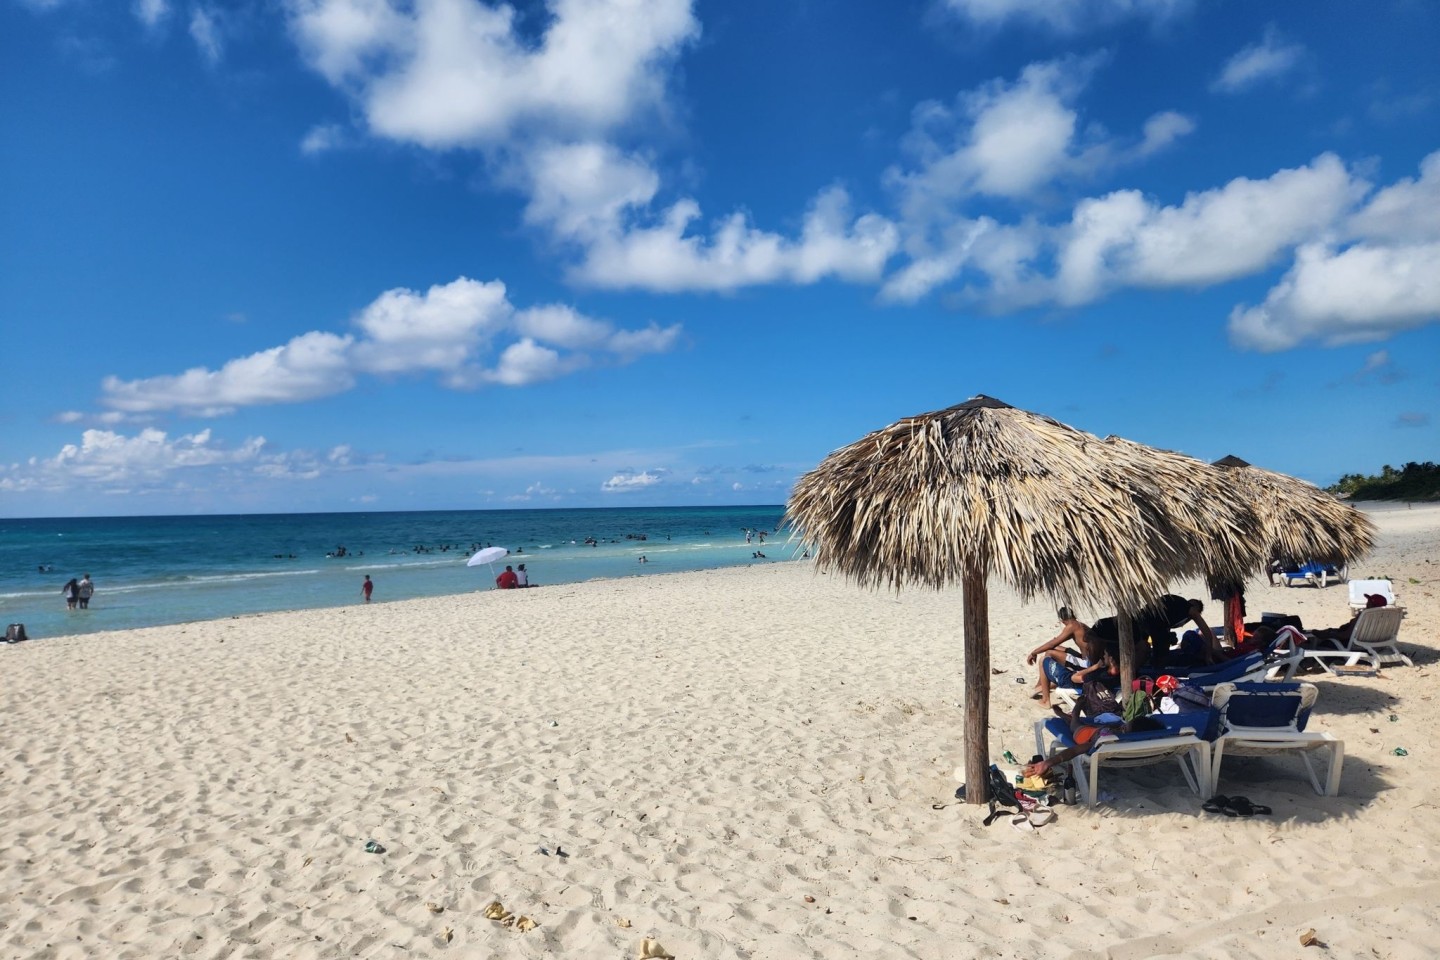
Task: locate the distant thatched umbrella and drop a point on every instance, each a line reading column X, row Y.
column 983, row 488
column 1301, row 521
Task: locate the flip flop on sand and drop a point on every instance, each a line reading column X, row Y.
column 1041, row 816
column 1218, row 804
column 1244, row 808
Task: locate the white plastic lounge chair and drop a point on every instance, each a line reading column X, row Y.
column 1259, row 719
column 1376, row 634
column 1360, row 589
column 1178, row 741
column 1374, row 638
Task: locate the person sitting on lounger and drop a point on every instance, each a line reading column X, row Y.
column 1264, row 637
column 1097, row 701
column 1058, row 662
column 1341, row 634
column 1086, row 732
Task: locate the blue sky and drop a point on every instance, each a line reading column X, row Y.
column 371, row 254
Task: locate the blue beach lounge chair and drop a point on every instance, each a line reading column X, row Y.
column 1260, row 719
column 1276, row 661
column 1183, row 739
column 1315, row 574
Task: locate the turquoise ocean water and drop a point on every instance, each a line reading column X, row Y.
column 150, row 571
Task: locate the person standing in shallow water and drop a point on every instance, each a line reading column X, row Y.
column 367, row 587
column 85, row 590
column 72, row 593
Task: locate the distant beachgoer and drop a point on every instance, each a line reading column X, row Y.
column 1275, row 568
column 72, row 593
column 85, row 590
column 522, row 578
column 642, row 559
column 507, row 580
column 367, row 588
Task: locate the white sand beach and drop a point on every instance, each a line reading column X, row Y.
column 742, row 763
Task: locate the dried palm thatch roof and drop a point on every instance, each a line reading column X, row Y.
column 1300, row 521
column 1209, row 510
column 1044, row 507
column 983, row 489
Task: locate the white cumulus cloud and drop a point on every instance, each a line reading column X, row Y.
column 1379, row 274
column 1268, row 59
column 1361, row 293
column 582, row 191
column 1406, row 211
column 1163, row 129
column 598, row 198
column 668, row 256
column 445, row 73
column 629, row 480
column 107, row 457
column 311, row 365
column 1126, row 239
column 526, row 361
column 1214, row 235
column 1012, row 141
column 440, row 329
column 450, row 329
column 543, row 107
column 1001, row 140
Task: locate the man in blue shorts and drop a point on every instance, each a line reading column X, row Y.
column 1058, row 662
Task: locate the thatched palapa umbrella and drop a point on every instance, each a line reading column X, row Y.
column 983, row 489
column 1301, row 521
column 1210, row 512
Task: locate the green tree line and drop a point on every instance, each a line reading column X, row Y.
column 1414, row 481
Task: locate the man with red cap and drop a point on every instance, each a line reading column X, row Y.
column 1341, row 634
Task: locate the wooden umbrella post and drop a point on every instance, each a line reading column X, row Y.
column 1125, row 627
column 977, row 685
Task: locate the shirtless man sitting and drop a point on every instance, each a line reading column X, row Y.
column 1059, row 663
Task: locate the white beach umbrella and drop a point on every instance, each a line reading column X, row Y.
column 487, row 556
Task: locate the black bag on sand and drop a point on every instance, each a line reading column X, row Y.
column 15, row 633
column 999, row 792
column 1002, row 794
